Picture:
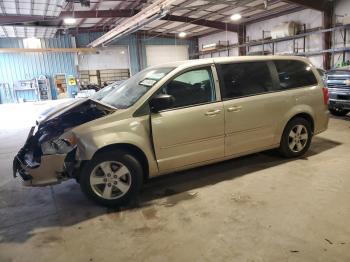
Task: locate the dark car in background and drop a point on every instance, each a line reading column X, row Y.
column 338, row 83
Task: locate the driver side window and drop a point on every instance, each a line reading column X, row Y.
column 191, row 88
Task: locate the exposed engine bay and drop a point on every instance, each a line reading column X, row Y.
column 49, row 138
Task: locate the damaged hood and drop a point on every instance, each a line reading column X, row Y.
column 68, row 115
column 59, row 108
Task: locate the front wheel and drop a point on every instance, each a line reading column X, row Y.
column 112, row 178
column 296, row 138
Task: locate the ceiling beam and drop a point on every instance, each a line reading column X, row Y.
column 202, row 22
column 96, row 6
column 99, row 13
column 105, row 29
column 223, row 17
column 320, row 5
column 211, row 14
column 185, row 14
column 90, row 29
column 114, row 21
column 10, row 19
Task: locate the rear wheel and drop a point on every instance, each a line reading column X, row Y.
column 338, row 111
column 296, row 138
column 112, row 178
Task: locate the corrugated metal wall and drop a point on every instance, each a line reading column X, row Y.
column 137, row 45
column 22, row 66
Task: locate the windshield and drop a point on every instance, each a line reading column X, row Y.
column 106, row 90
column 130, row 91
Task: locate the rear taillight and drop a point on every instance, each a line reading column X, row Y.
column 325, row 95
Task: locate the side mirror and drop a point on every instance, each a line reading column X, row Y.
column 161, row 102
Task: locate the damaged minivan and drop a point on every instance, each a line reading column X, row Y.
column 175, row 117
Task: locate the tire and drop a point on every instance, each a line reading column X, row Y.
column 296, row 146
column 338, row 112
column 112, row 178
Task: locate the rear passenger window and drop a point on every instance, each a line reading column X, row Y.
column 293, row 74
column 244, row 79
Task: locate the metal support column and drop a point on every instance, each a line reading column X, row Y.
column 241, row 39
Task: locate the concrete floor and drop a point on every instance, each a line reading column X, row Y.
column 256, row 208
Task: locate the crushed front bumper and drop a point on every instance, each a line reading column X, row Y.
column 49, row 171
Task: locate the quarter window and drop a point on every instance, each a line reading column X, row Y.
column 293, row 74
column 191, row 88
column 244, row 79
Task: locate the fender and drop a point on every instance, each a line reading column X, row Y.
column 114, row 130
column 295, row 110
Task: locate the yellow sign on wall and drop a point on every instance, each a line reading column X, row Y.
column 72, row 81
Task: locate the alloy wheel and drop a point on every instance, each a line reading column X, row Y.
column 110, row 180
column 298, row 138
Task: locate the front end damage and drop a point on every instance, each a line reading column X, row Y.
column 48, row 155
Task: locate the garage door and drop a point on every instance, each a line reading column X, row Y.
column 105, row 58
column 160, row 54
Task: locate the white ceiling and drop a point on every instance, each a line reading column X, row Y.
column 27, row 31
column 214, row 10
column 32, row 7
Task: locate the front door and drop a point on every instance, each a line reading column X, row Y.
column 192, row 131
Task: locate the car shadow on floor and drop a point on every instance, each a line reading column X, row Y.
column 64, row 205
column 346, row 118
column 212, row 174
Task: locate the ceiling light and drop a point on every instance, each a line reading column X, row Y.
column 182, row 34
column 70, row 20
column 236, row 17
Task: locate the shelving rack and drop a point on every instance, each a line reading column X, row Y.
column 26, row 90
column 44, row 90
column 99, row 77
column 296, row 50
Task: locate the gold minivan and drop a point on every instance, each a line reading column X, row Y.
column 174, row 117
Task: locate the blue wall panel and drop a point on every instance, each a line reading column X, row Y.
column 21, row 66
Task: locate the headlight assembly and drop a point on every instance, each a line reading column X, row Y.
column 61, row 145
column 70, row 140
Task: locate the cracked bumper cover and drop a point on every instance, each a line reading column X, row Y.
column 47, row 173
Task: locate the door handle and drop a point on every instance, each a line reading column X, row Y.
column 234, row 109
column 213, row 113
